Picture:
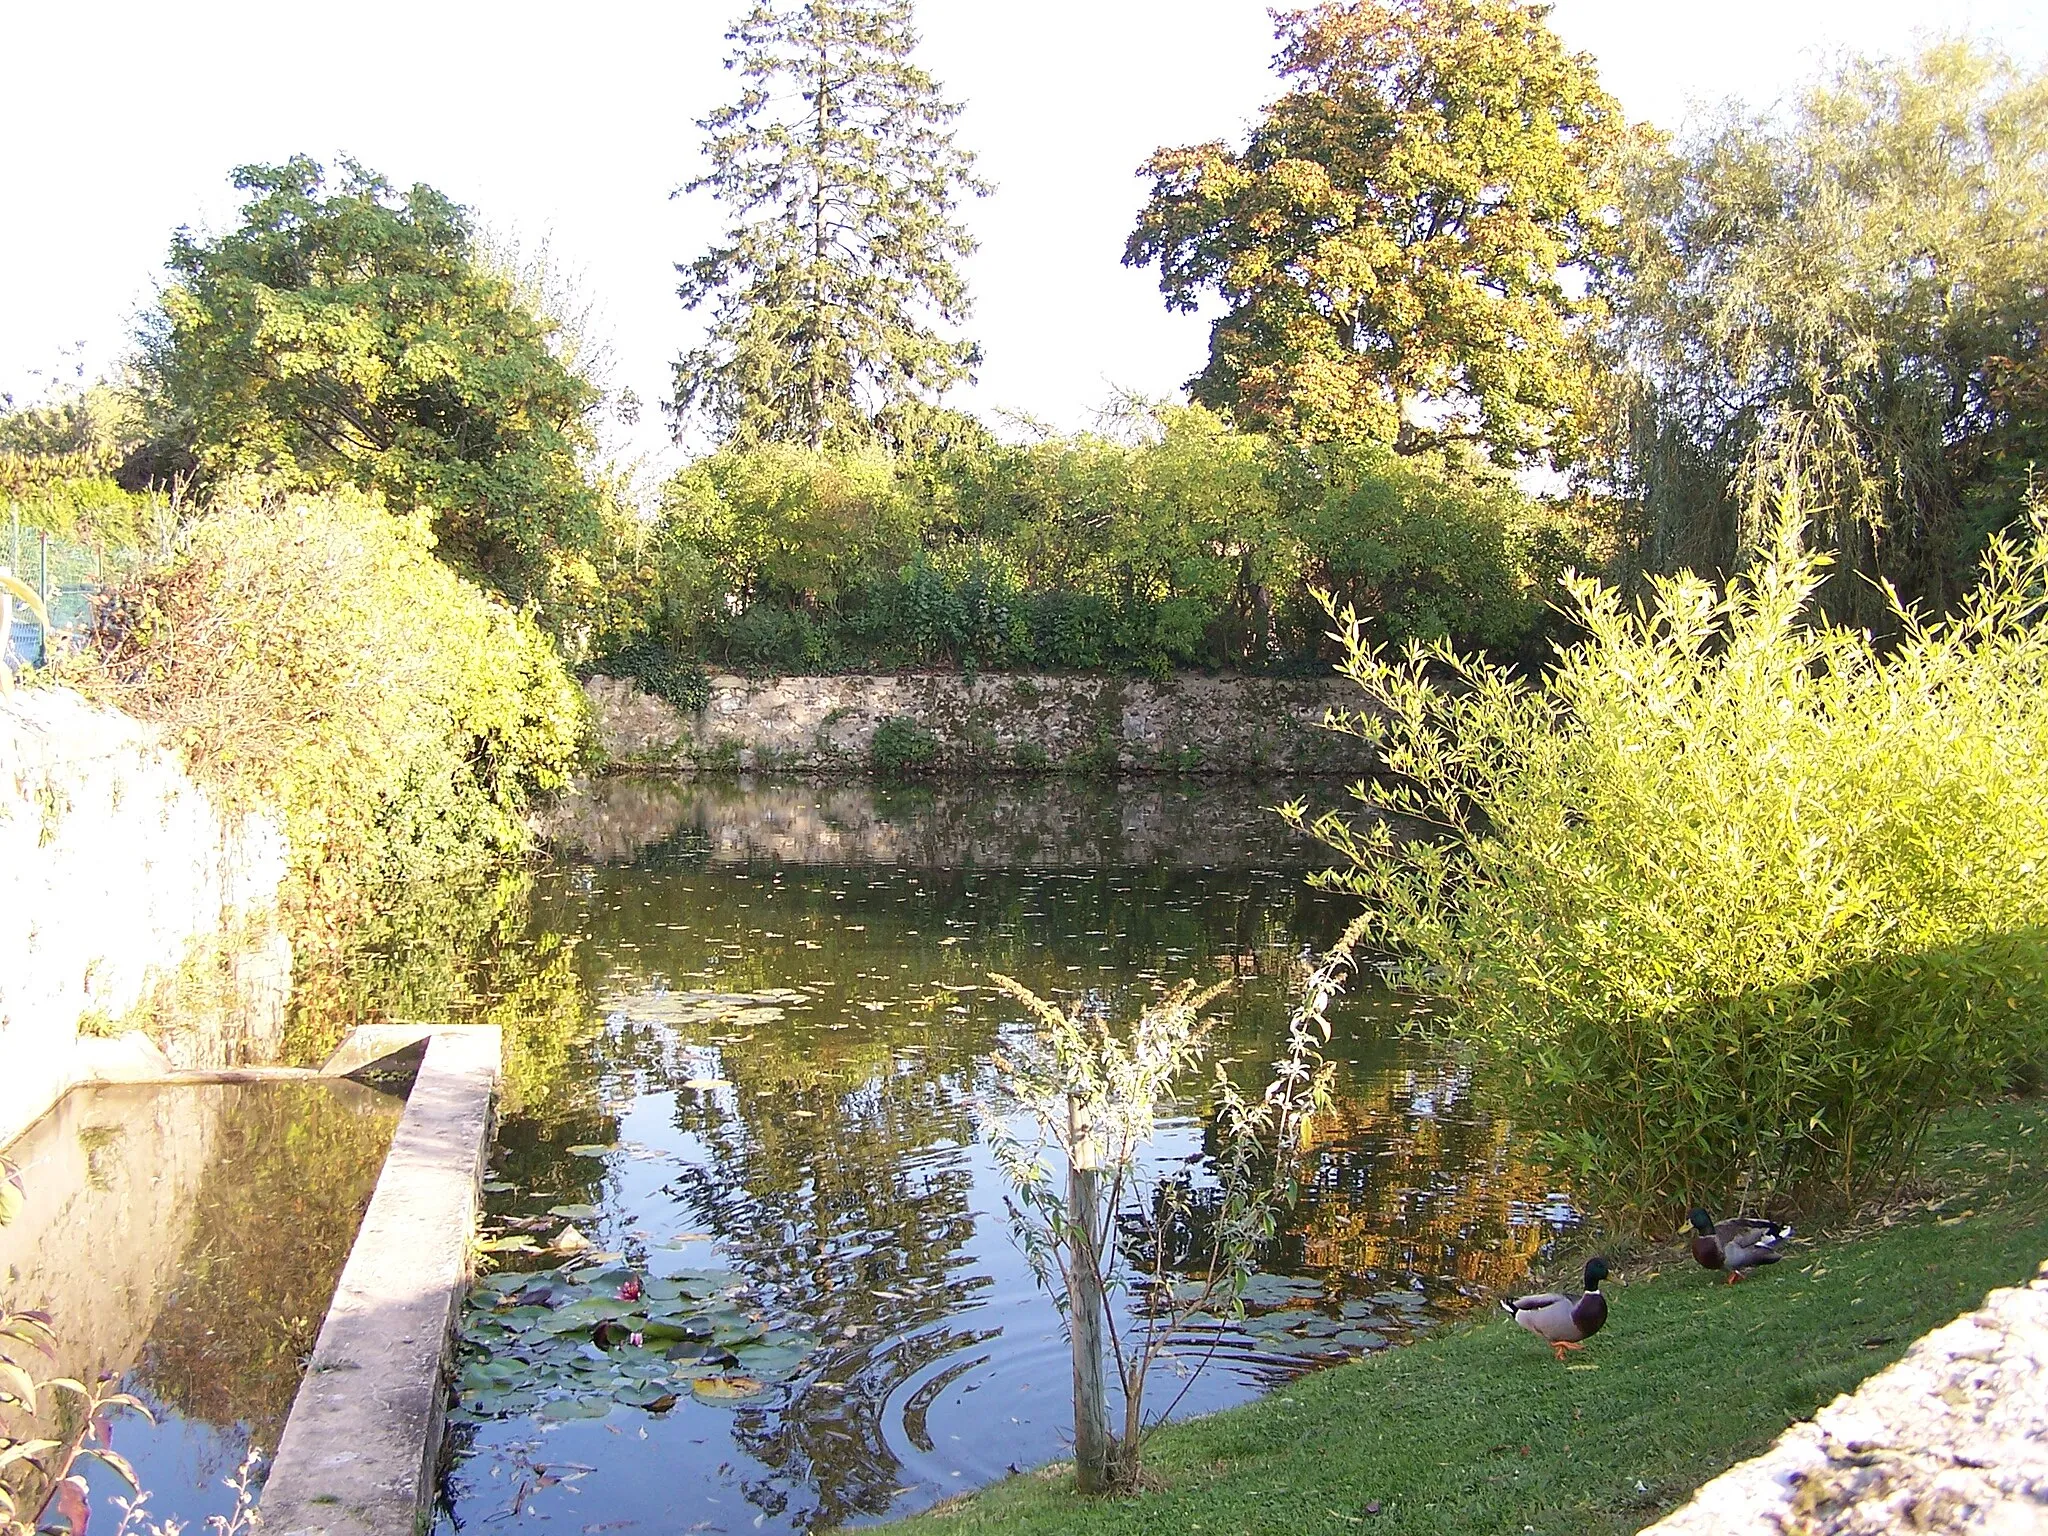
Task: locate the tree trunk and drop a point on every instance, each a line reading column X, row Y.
column 1092, row 1444
column 819, row 136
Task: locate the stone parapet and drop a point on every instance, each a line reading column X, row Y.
column 1951, row 1439
column 360, row 1452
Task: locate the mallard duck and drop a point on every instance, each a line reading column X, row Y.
column 1564, row 1322
column 1738, row 1245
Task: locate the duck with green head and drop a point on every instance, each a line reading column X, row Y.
column 1737, row 1245
column 1564, row 1322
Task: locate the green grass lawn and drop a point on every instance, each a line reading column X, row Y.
column 1478, row 1429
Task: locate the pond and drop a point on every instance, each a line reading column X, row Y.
column 759, row 1097
column 755, row 1268
column 187, row 1240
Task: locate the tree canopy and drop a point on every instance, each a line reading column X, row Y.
column 831, row 291
column 1392, row 243
column 348, row 333
column 1855, row 293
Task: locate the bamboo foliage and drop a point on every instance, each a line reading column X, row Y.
column 1737, row 898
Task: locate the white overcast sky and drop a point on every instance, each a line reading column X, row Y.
column 120, row 121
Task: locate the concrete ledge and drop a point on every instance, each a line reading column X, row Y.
column 1951, row 1439
column 359, row 1451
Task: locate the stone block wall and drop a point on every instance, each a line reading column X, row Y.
column 1951, row 1439
column 991, row 723
column 115, row 868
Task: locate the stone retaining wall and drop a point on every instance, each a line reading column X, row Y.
column 116, row 871
column 999, row 723
column 1951, row 1439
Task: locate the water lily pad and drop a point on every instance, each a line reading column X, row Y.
column 593, row 1149
column 579, row 1211
column 1360, row 1339
column 575, row 1408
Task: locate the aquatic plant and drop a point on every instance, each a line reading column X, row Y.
column 591, row 1333
column 1093, row 1097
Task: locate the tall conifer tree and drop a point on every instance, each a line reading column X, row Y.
column 833, row 292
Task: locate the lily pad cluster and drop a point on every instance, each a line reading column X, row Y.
column 576, row 1341
column 1292, row 1317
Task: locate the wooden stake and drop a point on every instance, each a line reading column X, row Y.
column 1085, row 1303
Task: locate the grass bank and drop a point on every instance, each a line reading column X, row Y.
column 1478, row 1430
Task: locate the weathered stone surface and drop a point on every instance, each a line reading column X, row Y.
column 1188, row 723
column 951, row 824
column 359, row 1451
column 1952, row 1439
column 114, row 866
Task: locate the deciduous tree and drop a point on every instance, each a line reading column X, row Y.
column 1855, row 292
column 1393, row 244
column 347, row 333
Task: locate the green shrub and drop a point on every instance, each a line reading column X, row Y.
column 1190, row 545
column 314, row 657
column 902, row 748
column 1737, row 899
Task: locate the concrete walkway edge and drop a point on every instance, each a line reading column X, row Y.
column 359, row 1451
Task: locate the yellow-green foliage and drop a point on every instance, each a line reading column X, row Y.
column 312, row 655
column 1739, row 898
column 1190, row 543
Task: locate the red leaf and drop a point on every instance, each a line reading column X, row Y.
column 70, row 1501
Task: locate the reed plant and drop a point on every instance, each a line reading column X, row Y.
column 1735, row 897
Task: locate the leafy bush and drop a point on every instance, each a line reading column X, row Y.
column 313, row 656
column 902, row 748
column 1737, row 898
column 1189, row 545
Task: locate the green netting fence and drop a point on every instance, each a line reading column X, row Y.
column 68, row 574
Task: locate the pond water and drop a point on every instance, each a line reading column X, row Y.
column 750, row 1037
column 187, row 1240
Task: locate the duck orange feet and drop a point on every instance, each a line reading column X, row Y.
column 1559, row 1346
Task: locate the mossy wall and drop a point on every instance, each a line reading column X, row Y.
column 991, row 723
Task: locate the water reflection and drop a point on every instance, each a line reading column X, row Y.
column 187, row 1240
column 821, row 1133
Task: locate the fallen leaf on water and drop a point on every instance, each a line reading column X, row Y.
column 727, row 1388
column 706, row 1082
column 569, row 1240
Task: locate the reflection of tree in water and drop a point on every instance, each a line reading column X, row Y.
column 460, row 952
column 841, row 1186
column 292, row 1168
column 1412, row 1178
column 1406, row 1177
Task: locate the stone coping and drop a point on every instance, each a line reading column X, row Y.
column 359, row 1451
column 1953, row 1438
